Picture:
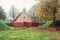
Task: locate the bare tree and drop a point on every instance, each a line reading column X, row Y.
column 13, row 12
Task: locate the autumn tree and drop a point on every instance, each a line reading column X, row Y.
column 46, row 9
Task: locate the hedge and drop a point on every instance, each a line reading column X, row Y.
column 3, row 25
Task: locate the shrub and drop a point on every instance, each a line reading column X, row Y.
column 47, row 24
column 3, row 25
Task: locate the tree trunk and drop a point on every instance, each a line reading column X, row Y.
column 54, row 20
column 54, row 12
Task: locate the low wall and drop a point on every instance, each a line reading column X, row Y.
column 25, row 24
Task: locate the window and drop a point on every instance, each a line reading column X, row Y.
column 24, row 17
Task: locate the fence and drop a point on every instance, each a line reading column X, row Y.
column 32, row 24
column 25, row 24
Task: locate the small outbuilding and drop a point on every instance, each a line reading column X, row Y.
column 23, row 17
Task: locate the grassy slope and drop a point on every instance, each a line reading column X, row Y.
column 3, row 25
column 26, row 35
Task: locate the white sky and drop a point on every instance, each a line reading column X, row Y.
column 19, row 4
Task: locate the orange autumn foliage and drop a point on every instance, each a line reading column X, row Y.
column 44, row 10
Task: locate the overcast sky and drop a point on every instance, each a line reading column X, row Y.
column 20, row 4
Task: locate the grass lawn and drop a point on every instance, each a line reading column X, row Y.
column 26, row 34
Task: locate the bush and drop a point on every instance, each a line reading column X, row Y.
column 47, row 24
column 3, row 25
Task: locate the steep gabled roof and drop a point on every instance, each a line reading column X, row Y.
column 17, row 17
column 21, row 14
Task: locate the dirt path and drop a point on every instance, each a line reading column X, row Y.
column 45, row 29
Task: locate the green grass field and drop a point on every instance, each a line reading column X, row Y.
column 25, row 34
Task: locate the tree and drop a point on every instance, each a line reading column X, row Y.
column 13, row 12
column 46, row 9
column 31, row 11
column 2, row 13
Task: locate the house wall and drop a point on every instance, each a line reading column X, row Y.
column 23, row 18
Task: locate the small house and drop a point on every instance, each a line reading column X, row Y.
column 23, row 17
